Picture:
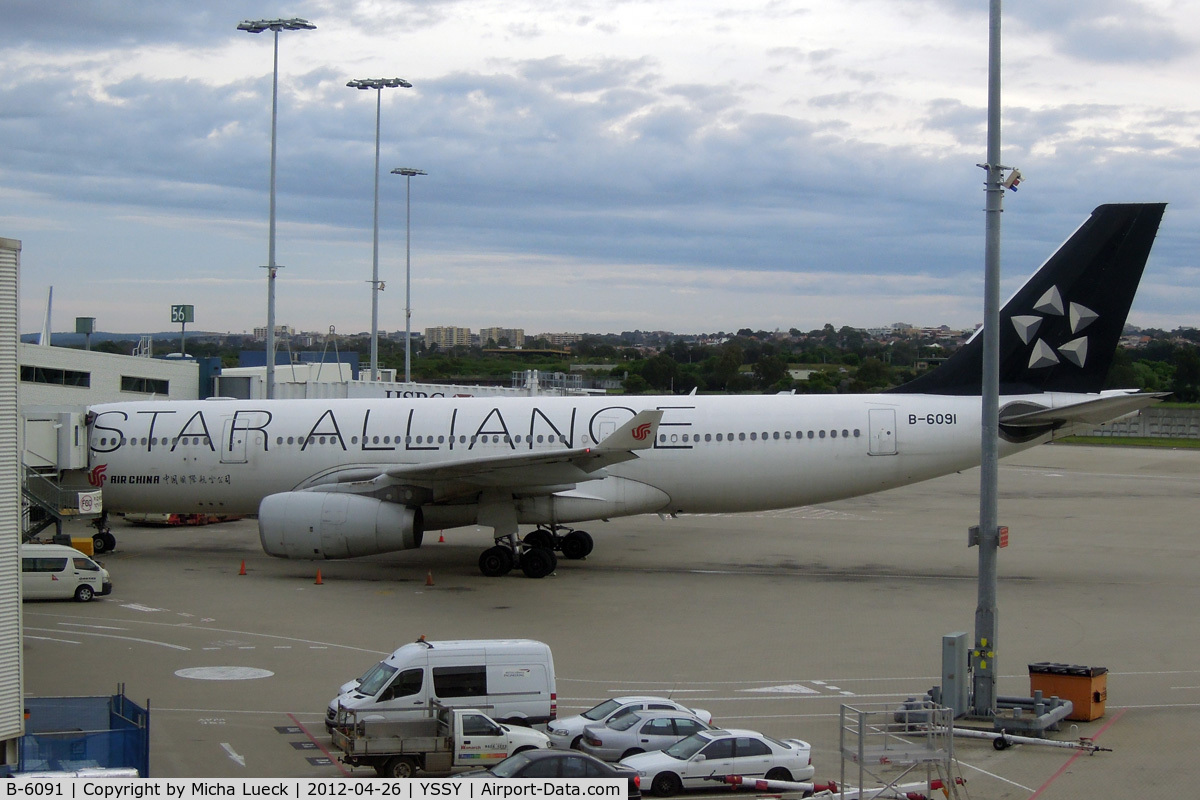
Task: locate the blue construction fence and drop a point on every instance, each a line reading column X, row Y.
column 66, row 734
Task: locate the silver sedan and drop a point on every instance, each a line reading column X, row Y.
column 639, row 732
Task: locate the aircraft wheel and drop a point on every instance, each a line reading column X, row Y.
column 540, row 538
column 496, row 561
column 538, row 562
column 100, row 543
column 577, row 544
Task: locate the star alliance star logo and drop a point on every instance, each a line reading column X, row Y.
column 1078, row 317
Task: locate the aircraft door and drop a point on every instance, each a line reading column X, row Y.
column 233, row 444
column 882, row 426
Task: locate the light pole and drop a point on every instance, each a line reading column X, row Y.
column 408, row 173
column 985, row 673
column 258, row 26
column 378, row 84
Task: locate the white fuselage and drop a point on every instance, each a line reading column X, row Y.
column 711, row 453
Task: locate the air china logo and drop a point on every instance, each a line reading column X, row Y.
column 642, row 431
column 96, row 476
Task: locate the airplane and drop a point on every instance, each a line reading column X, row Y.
column 331, row 479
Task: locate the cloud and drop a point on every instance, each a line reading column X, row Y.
column 668, row 139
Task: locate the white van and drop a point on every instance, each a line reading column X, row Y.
column 55, row 571
column 511, row 680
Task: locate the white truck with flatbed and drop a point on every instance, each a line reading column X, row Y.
column 445, row 741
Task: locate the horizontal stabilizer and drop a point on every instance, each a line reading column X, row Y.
column 1090, row 412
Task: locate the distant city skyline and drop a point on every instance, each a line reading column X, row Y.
column 898, row 327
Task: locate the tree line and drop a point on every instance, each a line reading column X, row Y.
column 820, row 361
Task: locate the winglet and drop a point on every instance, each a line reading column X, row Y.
column 638, row 433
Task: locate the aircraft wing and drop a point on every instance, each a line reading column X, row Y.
column 1089, row 412
column 535, row 468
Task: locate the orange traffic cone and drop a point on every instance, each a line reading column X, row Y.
column 440, row 537
column 318, row 581
column 242, row 571
column 429, row 578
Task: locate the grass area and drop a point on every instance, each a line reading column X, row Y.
column 1132, row 441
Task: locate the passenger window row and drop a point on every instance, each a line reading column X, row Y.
column 754, row 436
column 426, row 440
column 663, row 438
column 153, row 441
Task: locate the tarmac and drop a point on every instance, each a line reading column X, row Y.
column 770, row 621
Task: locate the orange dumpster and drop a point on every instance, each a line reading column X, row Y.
column 1085, row 687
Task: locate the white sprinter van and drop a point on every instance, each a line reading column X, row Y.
column 55, row 571
column 511, row 680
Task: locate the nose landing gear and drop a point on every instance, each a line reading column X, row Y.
column 102, row 540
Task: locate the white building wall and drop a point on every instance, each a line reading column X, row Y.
column 12, row 688
column 105, row 372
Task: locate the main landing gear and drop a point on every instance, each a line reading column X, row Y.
column 535, row 553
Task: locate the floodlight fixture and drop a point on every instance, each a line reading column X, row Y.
column 380, row 83
column 260, row 25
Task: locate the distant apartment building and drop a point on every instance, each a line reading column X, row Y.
column 443, row 338
column 560, row 339
column 260, row 334
column 515, row 336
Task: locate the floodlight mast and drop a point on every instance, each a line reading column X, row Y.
column 259, row 26
column 378, row 84
column 408, row 173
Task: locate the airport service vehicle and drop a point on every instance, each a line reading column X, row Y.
column 566, row 733
column 445, row 740
column 688, row 763
column 56, row 571
column 638, row 732
column 172, row 520
column 353, row 477
column 510, row 679
column 559, row 764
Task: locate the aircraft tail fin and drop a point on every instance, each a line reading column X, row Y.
column 1059, row 332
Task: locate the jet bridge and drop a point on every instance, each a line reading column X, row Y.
column 54, row 440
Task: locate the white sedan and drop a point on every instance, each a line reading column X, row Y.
column 567, row 732
column 689, row 763
column 639, row 732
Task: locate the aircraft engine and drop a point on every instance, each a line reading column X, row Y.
column 320, row 525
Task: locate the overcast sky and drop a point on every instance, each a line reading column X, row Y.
column 594, row 165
